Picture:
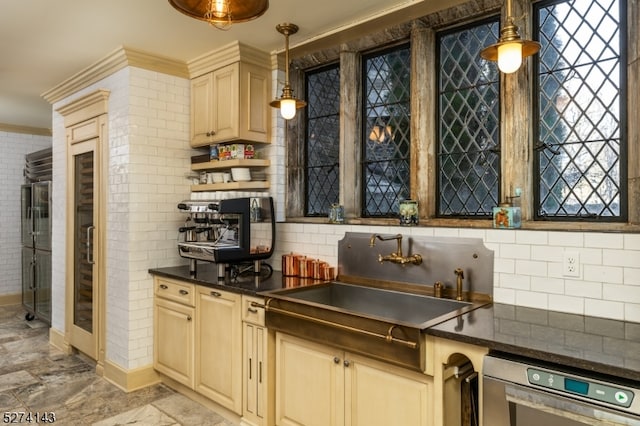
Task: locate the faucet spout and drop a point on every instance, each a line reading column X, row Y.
column 397, row 256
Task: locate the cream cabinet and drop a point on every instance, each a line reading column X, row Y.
column 230, row 103
column 198, row 339
column 257, row 367
column 317, row 385
column 218, row 347
column 174, row 330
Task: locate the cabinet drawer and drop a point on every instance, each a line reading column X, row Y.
column 175, row 290
column 252, row 314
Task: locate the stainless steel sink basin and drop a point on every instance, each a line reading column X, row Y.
column 398, row 307
column 380, row 323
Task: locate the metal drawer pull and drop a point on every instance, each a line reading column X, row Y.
column 164, row 286
column 188, row 317
column 387, row 337
column 184, row 292
column 253, row 311
column 336, row 360
column 257, row 305
column 216, row 294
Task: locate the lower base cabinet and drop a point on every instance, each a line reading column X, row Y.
column 317, row 385
column 258, row 361
column 198, row 340
column 218, row 348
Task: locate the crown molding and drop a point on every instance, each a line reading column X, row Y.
column 113, row 62
column 226, row 55
column 12, row 128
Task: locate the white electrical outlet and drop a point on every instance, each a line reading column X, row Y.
column 571, row 263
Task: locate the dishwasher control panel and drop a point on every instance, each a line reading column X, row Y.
column 587, row 388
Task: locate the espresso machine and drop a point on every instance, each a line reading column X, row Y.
column 229, row 232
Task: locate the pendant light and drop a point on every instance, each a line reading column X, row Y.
column 287, row 103
column 221, row 13
column 510, row 48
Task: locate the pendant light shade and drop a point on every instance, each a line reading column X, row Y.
column 221, row 13
column 510, row 48
column 287, row 103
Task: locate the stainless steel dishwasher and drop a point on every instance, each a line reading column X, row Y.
column 519, row 392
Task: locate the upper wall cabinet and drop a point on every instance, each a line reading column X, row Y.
column 230, row 96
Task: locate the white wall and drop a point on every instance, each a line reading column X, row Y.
column 527, row 264
column 149, row 156
column 13, row 148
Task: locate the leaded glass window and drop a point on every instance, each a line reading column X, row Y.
column 580, row 107
column 386, row 130
column 469, row 123
column 323, row 140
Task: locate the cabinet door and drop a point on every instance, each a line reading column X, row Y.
column 380, row 394
column 201, row 110
column 309, row 383
column 219, row 347
column 250, row 371
column 173, row 340
column 226, row 97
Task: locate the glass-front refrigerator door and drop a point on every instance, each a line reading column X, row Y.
column 83, row 332
column 28, row 289
column 43, row 285
column 26, row 216
column 41, row 214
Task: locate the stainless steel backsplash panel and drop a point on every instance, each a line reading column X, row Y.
column 440, row 257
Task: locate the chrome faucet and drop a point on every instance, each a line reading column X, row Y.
column 396, row 257
column 460, row 276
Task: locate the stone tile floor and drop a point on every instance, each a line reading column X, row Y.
column 37, row 378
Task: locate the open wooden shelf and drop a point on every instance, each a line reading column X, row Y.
column 230, row 186
column 225, row 164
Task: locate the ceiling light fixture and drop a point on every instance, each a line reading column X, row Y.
column 221, row 13
column 510, row 48
column 287, row 103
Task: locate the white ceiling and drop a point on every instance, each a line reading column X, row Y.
column 44, row 42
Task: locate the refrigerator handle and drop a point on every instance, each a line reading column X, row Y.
column 90, row 229
column 30, row 217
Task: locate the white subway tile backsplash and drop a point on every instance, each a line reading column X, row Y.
column 566, row 239
column 629, row 258
column 631, row 276
column 537, row 238
column 547, row 285
column 516, row 251
column 532, row 299
column 601, row 240
column 584, row 289
column 604, row 309
column 568, row 304
column 531, row 268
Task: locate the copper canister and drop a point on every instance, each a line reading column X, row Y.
column 317, row 268
column 306, row 268
column 291, row 265
column 328, row 272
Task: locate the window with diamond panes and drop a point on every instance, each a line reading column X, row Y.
column 323, row 140
column 386, row 131
column 469, row 123
column 580, row 107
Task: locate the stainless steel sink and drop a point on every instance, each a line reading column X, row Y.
column 399, row 307
column 377, row 322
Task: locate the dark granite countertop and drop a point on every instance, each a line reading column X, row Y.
column 594, row 344
column 207, row 275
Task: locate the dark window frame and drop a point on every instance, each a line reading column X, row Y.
column 623, row 158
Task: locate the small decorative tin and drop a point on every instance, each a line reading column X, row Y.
column 336, row 213
column 408, row 212
column 506, row 216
